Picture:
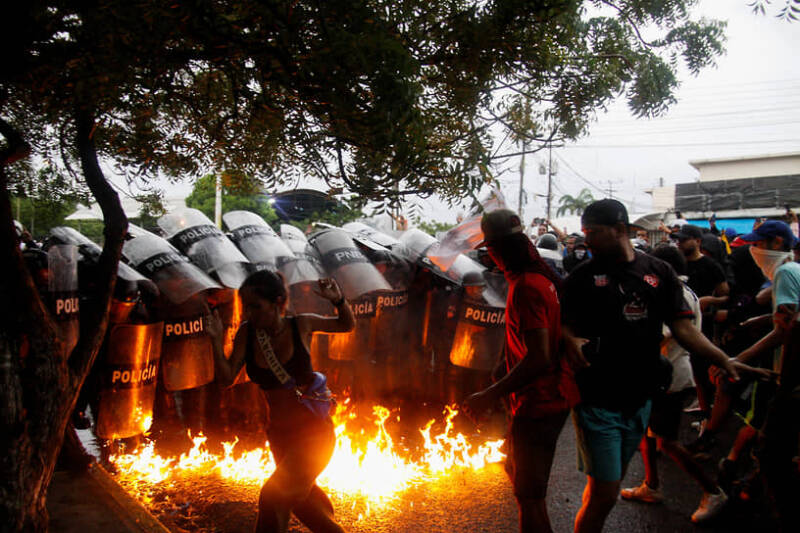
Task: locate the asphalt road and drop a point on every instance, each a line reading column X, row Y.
column 468, row 502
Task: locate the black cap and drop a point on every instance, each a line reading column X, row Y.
column 688, row 231
column 607, row 212
column 499, row 223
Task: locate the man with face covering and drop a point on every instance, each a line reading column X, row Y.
column 577, row 255
column 772, row 251
column 540, row 384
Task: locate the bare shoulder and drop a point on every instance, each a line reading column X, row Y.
column 241, row 333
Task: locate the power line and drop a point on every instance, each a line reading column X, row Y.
column 609, row 191
column 692, row 116
column 705, row 128
column 682, row 145
column 578, row 174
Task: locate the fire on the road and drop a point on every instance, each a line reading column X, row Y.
column 367, row 468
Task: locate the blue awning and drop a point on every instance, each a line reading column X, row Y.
column 741, row 225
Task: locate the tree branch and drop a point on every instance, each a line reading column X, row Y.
column 95, row 320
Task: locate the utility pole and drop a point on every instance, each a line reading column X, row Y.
column 218, row 201
column 610, row 189
column 549, row 178
column 522, row 179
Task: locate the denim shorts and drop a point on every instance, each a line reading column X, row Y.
column 607, row 439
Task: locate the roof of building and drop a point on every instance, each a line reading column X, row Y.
column 700, row 162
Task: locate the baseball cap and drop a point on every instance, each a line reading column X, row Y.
column 770, row 229
column 499, row 223
column 607, row 212
column 688, row 231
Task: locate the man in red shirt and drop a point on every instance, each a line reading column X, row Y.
column 540, row 386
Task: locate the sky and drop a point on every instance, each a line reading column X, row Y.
column 748, row 105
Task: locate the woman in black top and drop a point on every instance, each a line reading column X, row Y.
column 301, row 442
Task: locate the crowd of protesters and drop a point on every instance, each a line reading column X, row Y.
column 702, row 314
column 632, row 332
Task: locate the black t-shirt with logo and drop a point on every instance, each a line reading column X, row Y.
column 704, row 275
column 621, row 309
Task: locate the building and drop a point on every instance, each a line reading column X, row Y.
column 736, row 190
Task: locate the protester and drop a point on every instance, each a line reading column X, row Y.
column 707, row 280
column 539, row 384
column 614, row 308
column 642, row 241
column 578, row 255
column 772, row 251
column 666, row 412
column 275, row 349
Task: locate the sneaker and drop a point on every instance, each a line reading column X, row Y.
column 710, row 506
column 699, row 425
column 642, row 493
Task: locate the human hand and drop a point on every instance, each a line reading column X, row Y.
column 329, row 289
column 213, row 325
column 573, row 351
column 717, row 374
column 476, row 405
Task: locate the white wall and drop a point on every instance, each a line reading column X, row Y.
column 756, row 167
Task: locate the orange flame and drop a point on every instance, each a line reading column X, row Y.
column 370, row 471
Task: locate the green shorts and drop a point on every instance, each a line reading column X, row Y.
column 607, row 439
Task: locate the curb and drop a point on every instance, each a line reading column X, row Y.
column 135, row 512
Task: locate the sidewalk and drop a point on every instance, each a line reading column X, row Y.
column 93, row 501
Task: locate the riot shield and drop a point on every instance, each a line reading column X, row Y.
column 301, row 272
column 187, row 360
column 62, row 292
column 257, row 241
column 91, row 251
column 416, row 244
column 362, row 231
column 177, row 279
column 305, row 265
column 479, row 337
column 128, row 385
column 191, row 232
column 347, row 264
column 355, row 344
column 393, row 349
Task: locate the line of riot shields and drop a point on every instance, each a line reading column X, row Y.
column 422, row 334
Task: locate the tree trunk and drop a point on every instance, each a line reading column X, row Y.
column 39, row 383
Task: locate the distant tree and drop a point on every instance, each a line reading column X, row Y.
column 432, row 227
column 38, row 215
column 339, row 215
column 43, row 198
column 789, row 12
column 574, row 204
column 91, row 229
column 238, row 193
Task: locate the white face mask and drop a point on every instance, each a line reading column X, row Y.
column 579, row 254
column 769, row 260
